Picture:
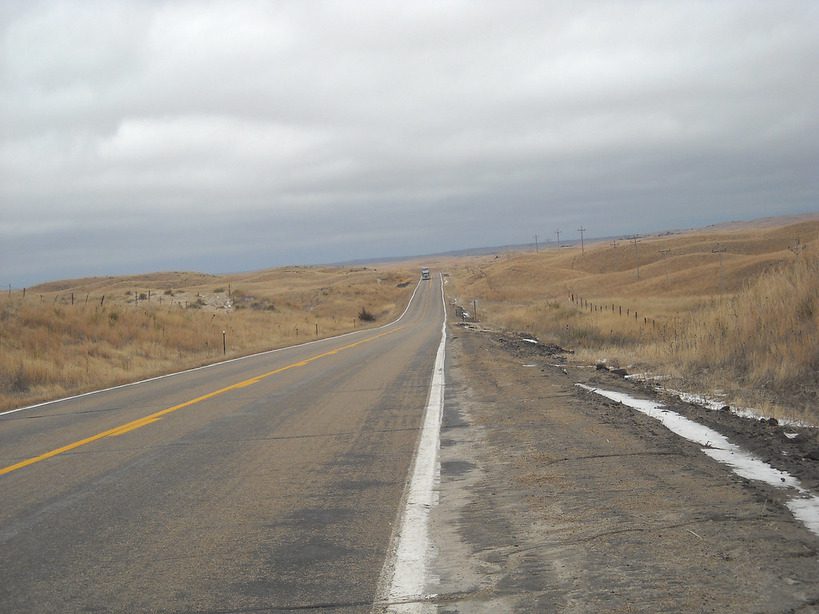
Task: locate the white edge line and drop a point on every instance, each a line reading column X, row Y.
column 402, row 582
column 215, row 364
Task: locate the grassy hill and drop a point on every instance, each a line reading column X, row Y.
column 72, row 336
column 732, row 308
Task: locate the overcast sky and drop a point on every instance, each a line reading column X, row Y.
column 232, row 136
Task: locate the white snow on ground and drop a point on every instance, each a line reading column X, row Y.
column 530, row 340
column 742, row 412
column 804, row 505
column 711, row 403
column 647, row 377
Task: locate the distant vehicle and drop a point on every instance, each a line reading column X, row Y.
column 425, row 273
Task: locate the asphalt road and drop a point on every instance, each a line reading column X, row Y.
column 268, row 483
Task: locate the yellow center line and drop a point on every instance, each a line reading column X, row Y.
column 140, row 422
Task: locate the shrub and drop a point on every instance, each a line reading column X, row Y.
column 365, row 316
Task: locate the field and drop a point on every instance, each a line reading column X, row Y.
column 72, row 336
column 730, row 311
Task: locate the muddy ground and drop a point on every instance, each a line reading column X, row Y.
column 553, row 499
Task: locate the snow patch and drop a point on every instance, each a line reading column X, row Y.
column 804, row 506
column 806, row 510
column 742, row 412
column 712, row 403
column 647, row 377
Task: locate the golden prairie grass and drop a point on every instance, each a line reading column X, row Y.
column 765, row 335
column 72, row 336
column 747, row 325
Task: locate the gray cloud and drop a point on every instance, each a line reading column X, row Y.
column 236, row 135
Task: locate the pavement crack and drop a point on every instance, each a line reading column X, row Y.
column 603, row 534
column 619, row 455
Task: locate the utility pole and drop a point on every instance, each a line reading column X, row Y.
column 664, row 253
column 636, row 238
column 581, row 230
column 720, row 250
column 537, row 247
column 557, row 232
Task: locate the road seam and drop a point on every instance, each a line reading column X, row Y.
column 403, row 577
column 151, row 418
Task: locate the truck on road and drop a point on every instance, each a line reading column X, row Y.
column 425, row 273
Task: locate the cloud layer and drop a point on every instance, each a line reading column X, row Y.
column 237, row 135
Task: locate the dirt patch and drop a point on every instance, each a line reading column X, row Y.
column 555, row 499
column 794, row 449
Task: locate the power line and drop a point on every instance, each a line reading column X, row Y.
column 664, row 253
column 636, row 239
column 720, row 250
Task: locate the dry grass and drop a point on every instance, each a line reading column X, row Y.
column 67, row 337
column 748, row 327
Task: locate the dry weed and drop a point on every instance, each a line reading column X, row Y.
column 744, row 320
column 64, row 337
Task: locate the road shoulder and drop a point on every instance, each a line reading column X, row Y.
column 552, row 499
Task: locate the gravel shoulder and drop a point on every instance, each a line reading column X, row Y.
column 555, row 499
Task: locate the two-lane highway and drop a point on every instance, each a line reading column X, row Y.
column 265, row 483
